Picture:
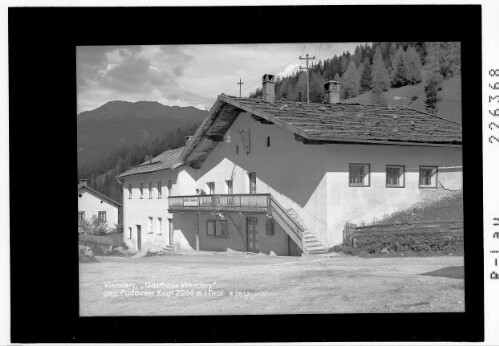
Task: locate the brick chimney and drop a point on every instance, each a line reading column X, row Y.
column 332, row 91
column 268, row 88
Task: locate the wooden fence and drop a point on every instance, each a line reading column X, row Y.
column 351, row 230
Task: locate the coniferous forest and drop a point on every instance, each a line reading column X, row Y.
column 377, row 67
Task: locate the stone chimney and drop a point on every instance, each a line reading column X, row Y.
column 332, row 91
column 268, row 88
column 82, row 182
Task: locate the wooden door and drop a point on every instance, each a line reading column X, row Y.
column 170, row 231
column 252, row 234
column 139, row 237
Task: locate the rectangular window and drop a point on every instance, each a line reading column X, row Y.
column 102, row 216
column 269, row 227
column 129, row 191
column 159, row 189
column 149, row 225
column 252, row 182
column 268, row 141
column 221, row 229
column 395, row 176
column 141, row 190
column 211, row 188
column 237, row 149
column 210, row 227
column 229, row 187
column 359, row 174
column 428, row 176
column 129, row 232
column 150, row 189
column 169, row 186
column 159, row 229
column 81, row 217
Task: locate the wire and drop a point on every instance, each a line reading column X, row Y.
column 258, row 81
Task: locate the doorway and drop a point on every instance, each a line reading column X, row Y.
column 139, row 237
column 170, row 231
column 252, row 182
column 252, row 234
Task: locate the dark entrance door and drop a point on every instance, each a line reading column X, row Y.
column 139, row 237
column 252, row 234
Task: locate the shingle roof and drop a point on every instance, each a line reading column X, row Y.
column 98, row 194
column 166, row 160
column 356, row 123
column 325, row 123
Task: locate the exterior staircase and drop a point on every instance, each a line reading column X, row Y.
column 294, row 226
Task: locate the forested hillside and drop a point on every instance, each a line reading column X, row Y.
column 102, row 172
column 120, row 135
column 119, row 124
column 375, row 69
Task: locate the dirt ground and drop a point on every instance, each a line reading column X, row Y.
column 222, row 283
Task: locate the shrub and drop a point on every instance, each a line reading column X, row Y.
column 418, row 240
column 94, row 226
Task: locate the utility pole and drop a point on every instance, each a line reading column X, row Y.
column 308, row 78
column 240, row 83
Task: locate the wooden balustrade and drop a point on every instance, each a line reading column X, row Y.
column 236, row 202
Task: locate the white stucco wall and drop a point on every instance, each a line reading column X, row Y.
column 137, row 211
column 187, row 223
column 91, row 205
column 313, row 179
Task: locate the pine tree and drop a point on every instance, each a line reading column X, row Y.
column 349, row 86
column 360, row 70
column 301, row 88
column 431, row 89
column 413, row 65
column 343, row 64
column 316, row 87
column 380, row 77
column 365, row 77
column 337, row 77
column 399, row 77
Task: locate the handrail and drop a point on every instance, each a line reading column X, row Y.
column 221, row 194
column 257, row 201
column 286, row 218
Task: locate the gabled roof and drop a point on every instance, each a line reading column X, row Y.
column 166, row 160
column 326, row 123
column 98, row 194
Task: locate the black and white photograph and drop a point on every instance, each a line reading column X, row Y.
column 270, row 178
column 308, row 173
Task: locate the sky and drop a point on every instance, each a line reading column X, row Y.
column 186, row 75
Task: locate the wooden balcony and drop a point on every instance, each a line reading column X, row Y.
column 259, row 203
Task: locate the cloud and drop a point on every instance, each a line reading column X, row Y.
column 184, row 75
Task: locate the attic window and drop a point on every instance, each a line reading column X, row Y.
column 268, row 141
column 237, row 149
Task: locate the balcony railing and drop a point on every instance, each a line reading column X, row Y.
column 236, row 202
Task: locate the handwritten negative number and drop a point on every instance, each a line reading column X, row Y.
column 495, row 112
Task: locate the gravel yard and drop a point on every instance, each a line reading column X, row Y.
column 224, row 283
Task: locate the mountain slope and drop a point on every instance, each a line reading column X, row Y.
column 120, row 123
column 413, row 96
